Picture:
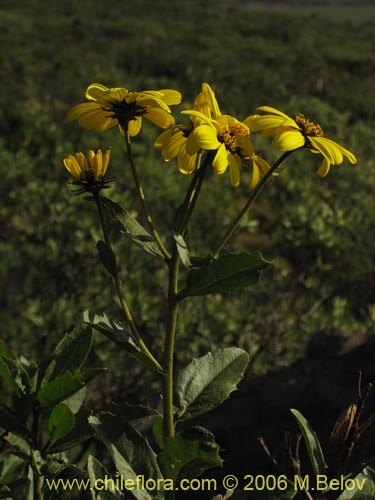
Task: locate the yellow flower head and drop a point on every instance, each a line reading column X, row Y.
column 289, row 134
column 172, row 142
column 108, row 107
column 89, row 173
column 209, row 130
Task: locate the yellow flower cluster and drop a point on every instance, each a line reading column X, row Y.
column 225, row 140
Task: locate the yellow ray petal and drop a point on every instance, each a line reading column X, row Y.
column 205, row 137
column 234, row 169
column 134, row 126
column 329, row 149
column 220, row 163
column 324, row 168
column 289, row 140
column 185, row 162
column 159, row 117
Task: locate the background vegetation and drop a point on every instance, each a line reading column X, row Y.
column 316, row 59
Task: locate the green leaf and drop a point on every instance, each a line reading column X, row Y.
column 312, row 443
column 207, row 381
column 107, row 257
column 188, row 454
column 132, row 229
column 61, row 421
column 130, row 451
column 10, row 422
column 121, row 335
column 72, row 350
column 74, row 402
column 158, row 431
column 361, row 487
column 226, row 273
column 133, row 414
column 81, row 432
column 182, row 249
column 97, row 471
column 11, row 370
column 64, row 386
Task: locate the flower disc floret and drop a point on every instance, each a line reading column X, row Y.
column 108, row 107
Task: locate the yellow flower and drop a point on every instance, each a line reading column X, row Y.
column 209, row 130
column 172, row 142
column 292, row 134
column 90, row 174
column 108, row 107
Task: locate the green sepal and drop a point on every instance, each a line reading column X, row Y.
column 207, row 381
column 224, row 274
column 188, row 454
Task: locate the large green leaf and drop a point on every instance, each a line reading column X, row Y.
column 224, row 274
column 130, row 452
column 63, row 386
column 131, row 228
column 188, row 454
column 121, row 335
column 209, row 380
column 133, row 414
column 361, row 487
column 96, row 471
column 312, row 443
column 77, row 435
column 72, row 350
column 61, row 421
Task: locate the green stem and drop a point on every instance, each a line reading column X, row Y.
column 248, row 204
column 171, row 321
column 192, row 194
column 120, row 291
column 143, row 201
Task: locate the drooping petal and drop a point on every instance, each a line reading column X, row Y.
column 246, row 146
column 255, row 175
column 186, row 163
column 220, row 163
column 289, row 140
column 324, row 168
column 329, row 149
column 262, row 164
column 163, row 139
column 194, row 113
column 234, row 169
column 172, row 148
column 134, row 126
column 159, row 117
